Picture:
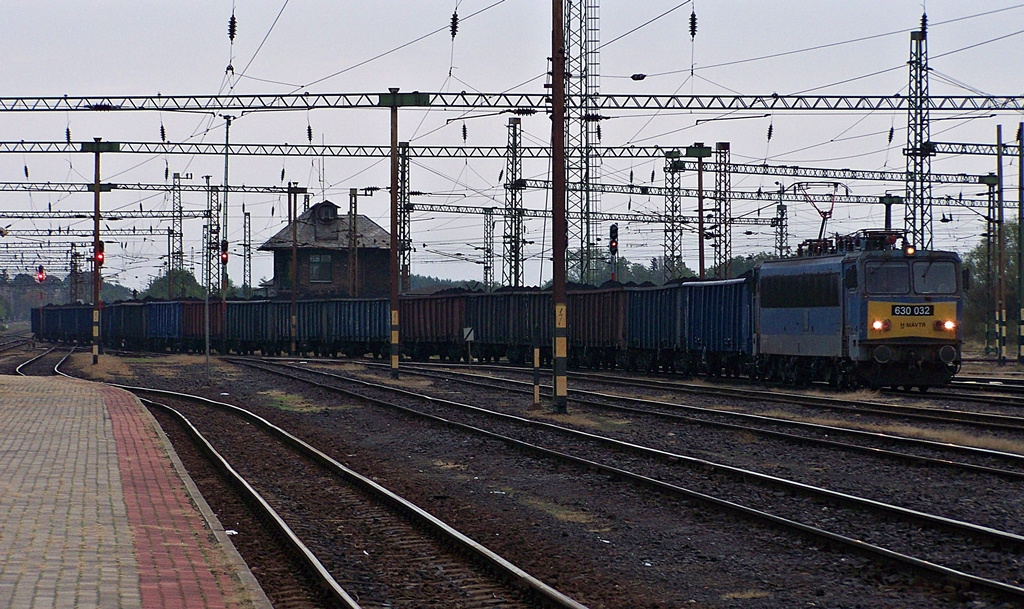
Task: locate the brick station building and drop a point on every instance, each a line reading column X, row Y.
column 325, row 255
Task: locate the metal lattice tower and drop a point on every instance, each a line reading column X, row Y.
column 513, row 237
column 919, row 151
column 673, row 250
column 176, row 257
column 488, row 248
column 404, row 217
column 723, row 210
column 211, row 240
column 247, row 255
column 582, row 132
column 73, row 276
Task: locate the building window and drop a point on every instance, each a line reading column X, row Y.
column 320, row 268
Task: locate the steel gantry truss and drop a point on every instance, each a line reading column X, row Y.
column 460, row 152
column 522, row 103
column 513, row 240
column 672, row 259
column 582, row 132
column 917, row 105
column 918, row 216
column 723, row 211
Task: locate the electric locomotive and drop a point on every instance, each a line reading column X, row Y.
column 865, row 309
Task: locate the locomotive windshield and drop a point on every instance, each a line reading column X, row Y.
column 887, row 277
column 934, row 277
column 895, row 276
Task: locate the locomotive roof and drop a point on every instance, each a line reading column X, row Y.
column 835, row 259
column 322, row 227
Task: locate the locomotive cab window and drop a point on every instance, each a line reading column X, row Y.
column 934, row 277
column 887, row 277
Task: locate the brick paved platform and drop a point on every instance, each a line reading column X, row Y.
column 97, row 512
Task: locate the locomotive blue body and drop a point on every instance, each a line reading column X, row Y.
column 881, row 316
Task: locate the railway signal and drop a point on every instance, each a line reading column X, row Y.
column 98, row 255
column 40, row 274
column 613, row 246
column 224, row 251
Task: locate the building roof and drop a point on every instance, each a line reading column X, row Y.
column 322, row 227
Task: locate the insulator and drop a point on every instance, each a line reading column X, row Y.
column 1019, row 132
column 599, row 132
column 465, row 132
column 630, row 176
column 26, row 171
column 892, row 132
column 232, row 27
column 693, row 25
column 309, row 133
column 652, row 176
column 638, row 76
column 167, row 172
column 524, row 111
column 282, row 174
column 771, row 128
column 455, row 24
column 67, row 134
column 163, row 133
column 501, row 174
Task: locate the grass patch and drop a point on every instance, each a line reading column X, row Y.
column 585, row 420
column 109, row 368
column 745, row 595
column 289, row 402
column 412, row 383
column 559, row 512
column 936, row 435
column 449, row 465
column 340, row 366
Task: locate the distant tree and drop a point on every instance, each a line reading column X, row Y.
column 166, row 286
column 425, row 283
column 112, row 292
column 741, row 264
column 979, row 301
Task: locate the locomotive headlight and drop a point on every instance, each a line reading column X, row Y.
column 949, row 325
column 881, row 325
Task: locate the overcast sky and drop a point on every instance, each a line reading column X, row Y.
column 182, row 47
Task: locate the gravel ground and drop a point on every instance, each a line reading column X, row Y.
column 601, row 541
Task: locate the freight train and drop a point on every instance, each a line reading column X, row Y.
column 852, row 311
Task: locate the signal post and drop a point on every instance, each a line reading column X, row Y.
column 97, row 146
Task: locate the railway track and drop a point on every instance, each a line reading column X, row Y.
column 987, row 421
column 940, row 546
column 384, row 549
column 47, row 361
column 11, row 342
column 944, row 455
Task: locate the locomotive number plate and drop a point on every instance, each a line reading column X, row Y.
column 912, row 310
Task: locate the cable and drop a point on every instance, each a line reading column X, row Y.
column 262, row 42
column 643, row 25
column 398, row 48
column 829, row 45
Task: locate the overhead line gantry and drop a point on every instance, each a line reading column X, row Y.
column 517, row 103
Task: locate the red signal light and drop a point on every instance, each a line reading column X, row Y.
column 98, row 255
column 40, row 274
